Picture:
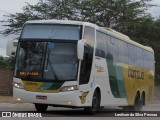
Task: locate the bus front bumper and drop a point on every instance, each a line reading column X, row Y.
column 68, row 98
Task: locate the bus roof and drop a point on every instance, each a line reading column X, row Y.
column 123, row 37
column 106, row 30
column 54, row 21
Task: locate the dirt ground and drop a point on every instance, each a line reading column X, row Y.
column 6, row 99
column 156, row 97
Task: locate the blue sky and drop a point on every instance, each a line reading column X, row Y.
column 13, row 6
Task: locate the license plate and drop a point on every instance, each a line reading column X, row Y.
column 41, row 97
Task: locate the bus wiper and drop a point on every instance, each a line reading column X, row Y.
column 50, row 64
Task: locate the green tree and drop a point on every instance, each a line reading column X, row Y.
column 118, row 14
column 7, row 63
column 126, row 16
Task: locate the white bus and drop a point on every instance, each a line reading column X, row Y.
column 79, row 64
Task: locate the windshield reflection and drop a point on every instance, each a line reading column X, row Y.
column 61, row 61
column 30, row 59
column 46, row 61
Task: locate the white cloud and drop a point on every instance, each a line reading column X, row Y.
column 12, row 6
column 155, row 11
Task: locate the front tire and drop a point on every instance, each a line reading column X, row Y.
column 95, row 104
column 41, row 107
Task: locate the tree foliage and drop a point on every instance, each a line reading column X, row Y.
column 7, row 63
column 118, row 14
column 126, row 16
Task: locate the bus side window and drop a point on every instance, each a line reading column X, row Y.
column 152, row 61
column 132, row 54
column 140, row 57
column 112, row 49
column 85, row 67
column 101, row 45
column 123, row 52
column 148, row 60
column 86, row 63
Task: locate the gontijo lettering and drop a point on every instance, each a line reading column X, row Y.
column 135, row 74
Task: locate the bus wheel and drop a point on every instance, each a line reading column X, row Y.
column 95, row 104
column 143, row 99
column 137, row 105
column 41, row 107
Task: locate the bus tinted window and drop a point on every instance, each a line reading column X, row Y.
column 112, row 49
column 86, row 64
column 101, row 45
column 148, row 60
column 151, row 61
column 139, row 57
column 123, row 51
column 132, row 54
column 51, row 32
column 89, row 36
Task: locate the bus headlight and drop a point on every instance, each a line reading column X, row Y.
column 18, row 85
column 69, row 88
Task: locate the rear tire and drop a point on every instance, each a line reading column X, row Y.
column 138, row 104
column 95, row 104
column 41, row 107
column 143, row 99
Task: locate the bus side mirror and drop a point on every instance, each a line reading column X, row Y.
column 80, row 49
column 11, row 47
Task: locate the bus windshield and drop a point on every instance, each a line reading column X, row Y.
column 30, row 59
column 46, row 61
column 61, row 61
column 48, row 52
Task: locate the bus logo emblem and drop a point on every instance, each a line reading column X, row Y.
column 83, row 97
